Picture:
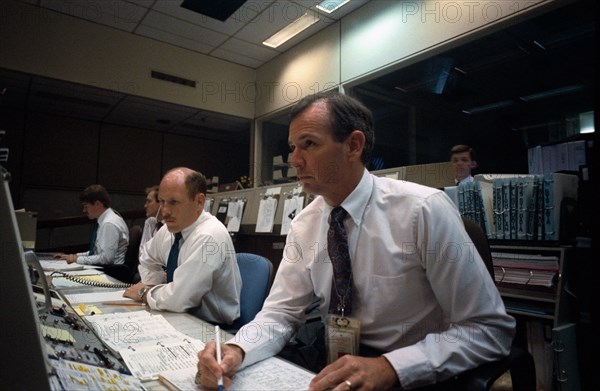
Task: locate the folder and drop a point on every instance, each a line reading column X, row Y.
column 566, row 370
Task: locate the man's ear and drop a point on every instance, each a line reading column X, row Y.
column 200, row 199
column 474, row 164
column 356, row 143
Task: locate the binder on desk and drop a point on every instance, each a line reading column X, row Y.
column 566, row 366
column 222, row 210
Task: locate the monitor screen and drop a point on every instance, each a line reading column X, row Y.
column 25, row 366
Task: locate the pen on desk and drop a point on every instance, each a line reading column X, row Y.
column 218, row 342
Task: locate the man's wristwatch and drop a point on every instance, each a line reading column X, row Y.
column 142, row 294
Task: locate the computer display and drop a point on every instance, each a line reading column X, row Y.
column 24, row 366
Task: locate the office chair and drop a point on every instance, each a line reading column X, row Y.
column 256, row 272
column 519, row 362
column 126, row 272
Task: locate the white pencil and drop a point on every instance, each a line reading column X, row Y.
column 218, row 342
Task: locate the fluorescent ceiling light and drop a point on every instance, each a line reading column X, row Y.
column 291, row 30
column 550, row 93
column 328, row 6
column 492, row 106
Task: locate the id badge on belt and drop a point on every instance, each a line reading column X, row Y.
column 342, row 336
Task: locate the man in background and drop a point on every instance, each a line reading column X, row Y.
column 110, row 235
column 463, row 160
column 153, row 216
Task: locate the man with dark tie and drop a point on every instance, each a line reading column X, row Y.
column 189, row 264
column 110, row 235
column 404, row 297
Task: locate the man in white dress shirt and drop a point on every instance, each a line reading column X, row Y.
column 205, row 279
column 153, row 216
column 427, row 307
column 463, row 160
column 110, row 235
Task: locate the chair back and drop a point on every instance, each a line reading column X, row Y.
column 256, row 272
column 480, row 241
column 133, row 248
column 126, row 272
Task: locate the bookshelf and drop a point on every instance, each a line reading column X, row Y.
column 542, row 311
column 549, row 303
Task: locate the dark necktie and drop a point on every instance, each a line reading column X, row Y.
column 337, row 246
column 93, row 239
column 173, row 255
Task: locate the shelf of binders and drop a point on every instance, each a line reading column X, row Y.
column 531, row 280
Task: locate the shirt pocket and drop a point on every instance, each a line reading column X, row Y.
column 393, row 294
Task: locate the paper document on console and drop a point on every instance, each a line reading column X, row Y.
column 271, row 374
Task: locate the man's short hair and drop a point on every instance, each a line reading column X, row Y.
column 347, row 114
column 95, row 193
column 194, row 181
column 460, row 148
column 153, row 189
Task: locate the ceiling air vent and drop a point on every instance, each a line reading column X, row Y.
column 173, row 79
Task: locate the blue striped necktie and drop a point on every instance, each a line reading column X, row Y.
column 93, row 239
column 173, row 255
column 337, row 246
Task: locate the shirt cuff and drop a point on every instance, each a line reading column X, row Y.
column 412, row 366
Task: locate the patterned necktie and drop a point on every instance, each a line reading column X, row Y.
column 337, row 246
column 93, row 239
column 173, row 255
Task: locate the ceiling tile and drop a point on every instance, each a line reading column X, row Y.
column 278, row 15
column 167, row 37
column 143, row 3
column 257, row 52
column 183, row 29
column 119, row 14
column 236, row 58
column 234, row 23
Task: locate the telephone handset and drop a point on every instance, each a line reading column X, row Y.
column 86, row 281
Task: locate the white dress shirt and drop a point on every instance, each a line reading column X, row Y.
column 422, row 292
column 464, row 180
column 150, row 228
column 112, row 239
column 207, row 280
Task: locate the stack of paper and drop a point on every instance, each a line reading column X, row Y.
column 529, row 270
column 147, row 343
